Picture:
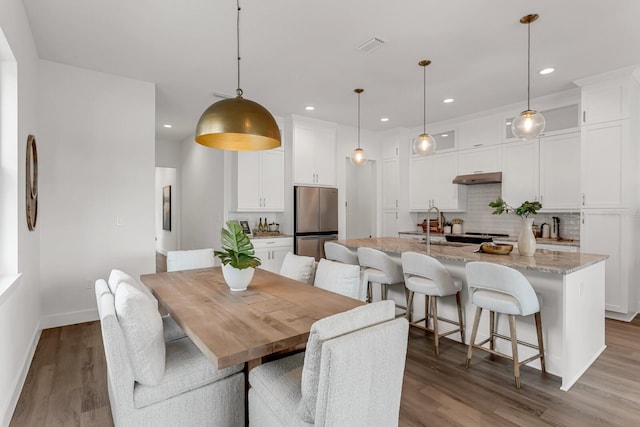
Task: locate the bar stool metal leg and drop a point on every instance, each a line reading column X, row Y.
column 514, row 349
column 492, row 329
column 409, row 305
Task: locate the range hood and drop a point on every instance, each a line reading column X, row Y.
column 478, row 178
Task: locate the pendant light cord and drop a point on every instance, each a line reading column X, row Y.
column 238, row 90
column 359, row 119
column 424, row 99
column 528, row 66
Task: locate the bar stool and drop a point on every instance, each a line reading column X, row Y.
column 378, row 267
column 427, row 276
column 337, row 252
column 502, row 289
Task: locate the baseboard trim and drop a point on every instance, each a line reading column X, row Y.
column 624, row 317
column 64, row 319
column 17, row 390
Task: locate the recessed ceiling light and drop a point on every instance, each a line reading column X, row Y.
column 384, row 119
column 444, row 135
column 546, row 71
column 309, row 108
column 508, row 124
column 448, row 100
column 168, row 126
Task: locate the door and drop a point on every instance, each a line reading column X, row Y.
column 361, row 208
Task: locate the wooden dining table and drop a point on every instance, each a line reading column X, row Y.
column 273, row 315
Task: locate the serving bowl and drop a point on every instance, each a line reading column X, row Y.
column 496, row 248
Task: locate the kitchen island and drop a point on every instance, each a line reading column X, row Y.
column 571, row 285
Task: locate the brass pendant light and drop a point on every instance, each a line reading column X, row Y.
column 238, row 124
column 530, row 123
column 424, row 144
column 358, row 157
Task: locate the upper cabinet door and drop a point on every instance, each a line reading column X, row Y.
column 560, row 172
column 604, row 103
column 479, row 132
column 419, row 177
column 249, row 191
column 304, row 152
column 605, row 156
column 314, row 153
column 444, row 193
column 273, row 180
column 520, row 172
column 480, row 160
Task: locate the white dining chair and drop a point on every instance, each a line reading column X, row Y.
column 190, row 259
column 350, row 374
column 298, row 267
column 344, row 279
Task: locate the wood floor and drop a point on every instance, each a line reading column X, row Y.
column 66, row 385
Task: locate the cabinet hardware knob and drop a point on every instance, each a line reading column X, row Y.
column 582, row 199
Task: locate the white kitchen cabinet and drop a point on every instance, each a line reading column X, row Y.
column 560, row 172
column 605, row 101
column 430, row 183
column 481, row 132
column 260, row 181
column 390, row 183
column 480, row 160
column 611, row 232
column 607, row 163
column 272, row 251
column 314, row 153
column 520, row 172
column 391, row 146
column 559, row 120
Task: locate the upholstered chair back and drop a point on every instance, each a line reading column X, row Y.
column 424, row 266
column 373, row 258
column 499, row 278
column 337, row 252
column 340, row 278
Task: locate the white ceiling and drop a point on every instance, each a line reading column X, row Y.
column 299, row 52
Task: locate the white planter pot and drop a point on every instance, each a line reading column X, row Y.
column 237, row 280
column 526, row 239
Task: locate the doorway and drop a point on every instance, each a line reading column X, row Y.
column 361, row 190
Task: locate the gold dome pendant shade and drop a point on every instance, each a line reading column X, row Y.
column 238, row 124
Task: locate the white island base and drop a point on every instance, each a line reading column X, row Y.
column 572, row 312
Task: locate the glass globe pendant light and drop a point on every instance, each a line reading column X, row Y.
column 358, row 156
column 424, row 144
column 530, row 123
column 238, row 124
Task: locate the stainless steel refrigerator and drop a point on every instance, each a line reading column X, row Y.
column 315, row 219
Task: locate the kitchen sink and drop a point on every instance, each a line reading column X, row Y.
column 445, row 243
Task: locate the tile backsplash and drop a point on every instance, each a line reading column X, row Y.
column 478, row 217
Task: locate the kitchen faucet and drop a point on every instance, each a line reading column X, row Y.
column 429, row 226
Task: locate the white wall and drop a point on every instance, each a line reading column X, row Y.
column 168, row 154
column 202, row 180
column 20, row 304
column 167, row 240
column 97, row 178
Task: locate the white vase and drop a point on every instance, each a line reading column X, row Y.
column 236, row 279
column 526, row 239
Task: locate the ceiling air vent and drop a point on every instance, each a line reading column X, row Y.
column 371, row 45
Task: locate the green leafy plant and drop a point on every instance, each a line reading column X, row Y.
column 523, row 210
column 237, row 249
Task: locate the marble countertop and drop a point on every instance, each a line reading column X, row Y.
column 545, row 241
column 544, row 260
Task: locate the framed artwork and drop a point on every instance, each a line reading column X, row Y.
column 245, row 227
column 166, row 208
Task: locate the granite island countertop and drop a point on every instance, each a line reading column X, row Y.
column 541, row 240
column 544, row 260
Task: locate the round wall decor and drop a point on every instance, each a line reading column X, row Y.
column 31, row 184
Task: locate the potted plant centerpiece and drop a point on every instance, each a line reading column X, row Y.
column 526, row 239
column 237, row 256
